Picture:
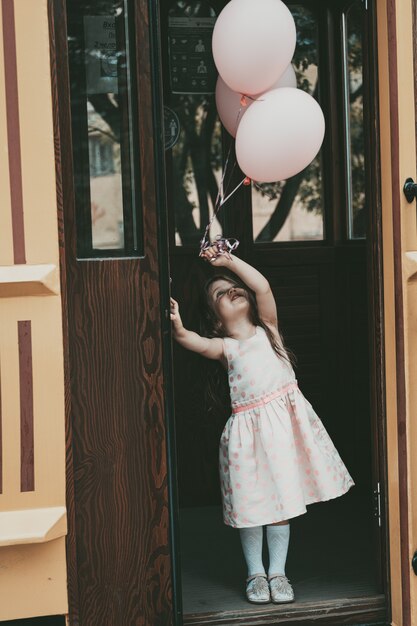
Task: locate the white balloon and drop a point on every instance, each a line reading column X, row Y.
column 279, row 135
column 229, row 105
column 253, row 43
column 288, row 79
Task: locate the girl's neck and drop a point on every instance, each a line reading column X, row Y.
column 241, row 329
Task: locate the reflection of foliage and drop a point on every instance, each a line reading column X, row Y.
column 306, row 186
column 194, row 8
column 306, row 52
column 195, row 157
column 199, row 150
column 198, row 153
column 108, row 109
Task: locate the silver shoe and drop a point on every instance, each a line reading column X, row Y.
column 257, row 589
column 281, row 590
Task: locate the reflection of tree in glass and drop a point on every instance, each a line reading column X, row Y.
column 107, row 107
column 195, row 158
column 101, row 120
column 198, row 154
column 306, row 185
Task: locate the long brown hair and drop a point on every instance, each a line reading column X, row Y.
column 211, row 326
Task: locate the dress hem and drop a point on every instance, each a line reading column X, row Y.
column 307, row 502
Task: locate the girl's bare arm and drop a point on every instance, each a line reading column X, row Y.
column 265, row 300
column 210, row 348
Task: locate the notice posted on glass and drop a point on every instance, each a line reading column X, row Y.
column 100, row 54
column 191, row 64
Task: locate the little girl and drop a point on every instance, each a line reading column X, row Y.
column 275, row 454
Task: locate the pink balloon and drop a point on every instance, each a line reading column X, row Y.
column 228, row 102
column 228, row 106
column 279, row 135
column 253, row 43
column 287, row 79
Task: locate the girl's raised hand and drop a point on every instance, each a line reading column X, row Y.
column 210, row 348
column 212, row 256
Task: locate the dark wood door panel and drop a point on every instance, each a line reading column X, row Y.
column 118, row 443
column 119, row 559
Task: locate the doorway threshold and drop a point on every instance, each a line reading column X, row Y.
column 331, row 566
column 365, row 610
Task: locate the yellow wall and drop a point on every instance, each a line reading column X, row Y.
column 32, row 539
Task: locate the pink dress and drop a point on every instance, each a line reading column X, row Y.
column 275, row 454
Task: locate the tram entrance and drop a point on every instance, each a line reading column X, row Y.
column 314, row 238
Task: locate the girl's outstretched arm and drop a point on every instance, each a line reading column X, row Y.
column 265, row 300
column 210, row 348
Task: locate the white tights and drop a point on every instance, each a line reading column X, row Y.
column 278, row 537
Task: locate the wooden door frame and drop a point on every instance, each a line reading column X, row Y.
column 375, row 608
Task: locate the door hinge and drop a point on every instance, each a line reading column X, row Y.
column 377, row 503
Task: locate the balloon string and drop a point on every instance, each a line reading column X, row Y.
column 220, row 191
column 219, row 198
column 238, row 115
column 232, row 192
column 223, row 245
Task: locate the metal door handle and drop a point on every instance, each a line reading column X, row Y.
column 410, row 189
column 414, row 563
